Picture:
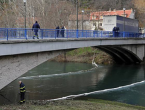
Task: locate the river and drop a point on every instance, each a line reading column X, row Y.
column 50, row 80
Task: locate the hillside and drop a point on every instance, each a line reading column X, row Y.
column 104, row 4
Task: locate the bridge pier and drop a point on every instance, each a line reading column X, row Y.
column 14, row 66
column 138, row 50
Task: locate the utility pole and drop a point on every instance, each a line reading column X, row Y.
column 77, row 13
column 98, row 19
column 82, row 19
column 124, row 20
column 25, row 11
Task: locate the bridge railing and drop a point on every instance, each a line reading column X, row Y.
column 17, row 33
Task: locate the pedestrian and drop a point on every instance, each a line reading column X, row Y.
column 114, row 32
column 117, row 31
column 22, row 92
column 65, row 31
column 36, row 27
column 62, row 31
column 57, row 31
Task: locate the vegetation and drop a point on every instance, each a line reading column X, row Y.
column 51, row 13
column 85, row 55
column 73, row 105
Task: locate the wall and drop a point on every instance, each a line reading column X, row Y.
column 130, row 25
column 109, row 22
column 73, row 25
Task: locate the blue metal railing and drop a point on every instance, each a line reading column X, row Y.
column 17, row 33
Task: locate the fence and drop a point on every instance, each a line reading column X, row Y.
column 17, row 33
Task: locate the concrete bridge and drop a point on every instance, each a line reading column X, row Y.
column 19, row 56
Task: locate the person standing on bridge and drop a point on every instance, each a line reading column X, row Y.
column 62, row 31
column 36, row 27
column 22, row 92
column 57, row 31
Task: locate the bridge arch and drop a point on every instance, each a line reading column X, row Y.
column 120, row 55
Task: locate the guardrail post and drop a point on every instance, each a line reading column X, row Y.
column 42, row 33
column 66, row 31
column 77, row 33
column 82, row 34
column 26, row 34
column 7, row 34
column 55, row 33
column 123, row 34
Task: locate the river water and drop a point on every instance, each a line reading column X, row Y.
column 50, row 80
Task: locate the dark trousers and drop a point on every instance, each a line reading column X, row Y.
column 62, row 34
column 57, row 33
column 22, row 97
column 35, row 34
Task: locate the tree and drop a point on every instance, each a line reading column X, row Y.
column 139, row 6
column 49, row 13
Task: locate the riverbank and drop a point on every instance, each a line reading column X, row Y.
column 85, row 55
column 73, row 105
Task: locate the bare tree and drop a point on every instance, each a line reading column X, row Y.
column 49, row 13
column 139, row 6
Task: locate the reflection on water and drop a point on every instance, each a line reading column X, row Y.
column 53, row 80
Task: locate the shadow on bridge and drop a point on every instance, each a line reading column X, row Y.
column 120, row 55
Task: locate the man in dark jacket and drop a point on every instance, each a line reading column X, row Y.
column 22, row 92
column 62, row 31
column 57, row 31
column 36, row 27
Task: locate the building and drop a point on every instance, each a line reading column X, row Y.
column 123, row 23
column 96, row 18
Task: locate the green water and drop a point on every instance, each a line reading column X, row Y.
column 53, row 80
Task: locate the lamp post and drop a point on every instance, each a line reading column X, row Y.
column 33, row 14
column 82, row 19
column 124, row 20
column 98, row 19
column 25, row 11
column 77, row 12
column 94, row 22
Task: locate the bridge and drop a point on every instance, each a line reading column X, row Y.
column 20, row 52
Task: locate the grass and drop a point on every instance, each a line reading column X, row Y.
column 91, row 104
column 83, row 51
column 85, row 55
